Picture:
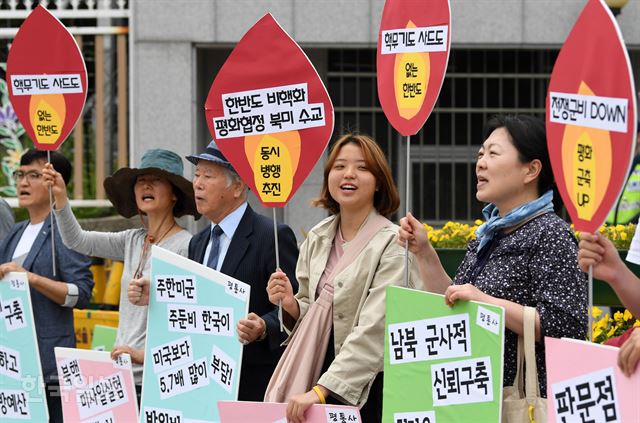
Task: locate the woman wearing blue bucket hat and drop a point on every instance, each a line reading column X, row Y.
column 156, row 190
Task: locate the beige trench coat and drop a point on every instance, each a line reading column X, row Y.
column 358, row 304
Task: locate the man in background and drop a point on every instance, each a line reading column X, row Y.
column 27, row 248
column 627, row 209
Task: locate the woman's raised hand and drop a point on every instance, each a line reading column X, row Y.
column 53, row 180
column 599, row 252
column 138, row 291
column 412, row 230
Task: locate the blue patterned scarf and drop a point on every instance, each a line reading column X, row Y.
column 495, row 223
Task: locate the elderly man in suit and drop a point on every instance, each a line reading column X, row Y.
column 240, row 243
column 27, row 248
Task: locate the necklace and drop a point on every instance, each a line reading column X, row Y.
column 152, row 239
column 144, row 254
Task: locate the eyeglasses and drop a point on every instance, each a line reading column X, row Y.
column 31, row 175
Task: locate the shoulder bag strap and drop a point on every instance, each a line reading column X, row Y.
column 370, row 228
column 532, row 388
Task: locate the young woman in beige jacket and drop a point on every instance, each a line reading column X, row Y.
column 358, row 190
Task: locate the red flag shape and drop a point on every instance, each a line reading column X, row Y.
column 269, row 112
column 591, row 117
column 47, row 79
column 412, row 57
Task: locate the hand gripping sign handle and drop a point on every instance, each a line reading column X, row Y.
column 275, row 235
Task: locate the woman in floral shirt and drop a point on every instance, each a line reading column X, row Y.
column 524, row 254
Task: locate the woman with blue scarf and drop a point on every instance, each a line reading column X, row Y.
column 524, row 254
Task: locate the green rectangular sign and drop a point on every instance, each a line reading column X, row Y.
column 192, row 356
column 21, row 384
column 441, row 363
column 104, row 337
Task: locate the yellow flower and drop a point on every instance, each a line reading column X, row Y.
column 627, row 315
column 618, row 317
column 604, row 322
column 606, row 328
column 596, row 312
column 457, row 234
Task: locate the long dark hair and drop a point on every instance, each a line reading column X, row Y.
column 528, row 136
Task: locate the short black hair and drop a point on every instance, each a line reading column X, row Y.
column 528, row 136
column 59, row 162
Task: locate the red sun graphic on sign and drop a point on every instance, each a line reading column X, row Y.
column 269, row 112
column 47, row 79
column 591, row 117
column 413, row 52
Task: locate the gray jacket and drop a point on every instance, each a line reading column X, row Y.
column 6, row 218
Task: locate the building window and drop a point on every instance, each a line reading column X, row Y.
column 479, row 83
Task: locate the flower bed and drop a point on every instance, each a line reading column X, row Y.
column 451, row 241
column 605, row 327
column 457, row 235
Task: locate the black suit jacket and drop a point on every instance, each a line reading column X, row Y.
column 251, row 258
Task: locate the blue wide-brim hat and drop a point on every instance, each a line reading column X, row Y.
column 212, row 154
column 163, row 163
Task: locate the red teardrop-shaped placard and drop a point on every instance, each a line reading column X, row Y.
column 590, row 117
column 269, row 112
column 47, row 79
column 412, row 57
